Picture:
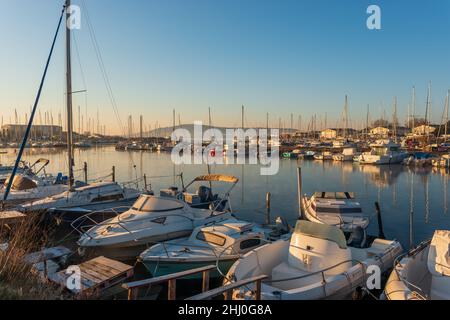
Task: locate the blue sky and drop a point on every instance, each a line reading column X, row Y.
column 281, row 57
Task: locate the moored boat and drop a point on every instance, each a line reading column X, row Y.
column 335, row 208
column 424, row 273
column 222, row 243
column 315, row 264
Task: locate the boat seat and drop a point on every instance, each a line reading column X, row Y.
column 315, row 247
column 439, row 265
column 285, row 271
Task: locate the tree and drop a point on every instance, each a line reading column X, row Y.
column 415, row 122
column 380, row 123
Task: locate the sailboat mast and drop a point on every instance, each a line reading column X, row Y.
column 69, row 98
column 446, row 115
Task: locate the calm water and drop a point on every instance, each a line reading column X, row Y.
column 413, row 202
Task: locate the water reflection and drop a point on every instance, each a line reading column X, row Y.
column 414, row 201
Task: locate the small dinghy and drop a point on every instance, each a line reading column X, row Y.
column 335, row 208
column 222, row 243
column 424, row 273
column 315, row 264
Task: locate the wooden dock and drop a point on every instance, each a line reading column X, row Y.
column 97, row 276
column 11, row 217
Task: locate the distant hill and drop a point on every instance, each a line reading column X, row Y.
column 167, row 131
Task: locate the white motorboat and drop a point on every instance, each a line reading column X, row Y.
column 383, row 152
column 222, row 243
column 335, row 208
column 326, row 155
column 424, row 273
column 72, row 204
column 315, row 264
column 28, row 185
column 348, row 154
column 150, row 220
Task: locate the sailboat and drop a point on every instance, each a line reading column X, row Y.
column 75, row 202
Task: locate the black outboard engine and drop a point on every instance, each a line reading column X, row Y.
column 204, row 194
column 358, row 238
column 219, row 205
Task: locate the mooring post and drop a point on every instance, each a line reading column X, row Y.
column 145, row 182
column 114, row 173
column 268, row 196
column 380, row 221
column 85, row 172
column 299, row 191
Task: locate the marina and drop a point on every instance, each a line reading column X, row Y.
column 250, row 205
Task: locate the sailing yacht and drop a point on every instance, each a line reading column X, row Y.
column 72, row 203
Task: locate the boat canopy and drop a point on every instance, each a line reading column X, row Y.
column 321, row 231
column 334, row 195
column 217, row 177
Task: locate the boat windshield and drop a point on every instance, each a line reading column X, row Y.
column 379, row 151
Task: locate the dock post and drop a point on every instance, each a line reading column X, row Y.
column 85, row 172
column 299, row 192
column 145, row 182
column 205, row 282
column 114, row 173
column 380, row 221
column 172, row 289
column 268, row 196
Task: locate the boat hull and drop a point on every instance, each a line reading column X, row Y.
column 161, row 268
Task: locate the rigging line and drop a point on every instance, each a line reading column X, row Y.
column 36, row 102
column 102, row 66
column 83, row 79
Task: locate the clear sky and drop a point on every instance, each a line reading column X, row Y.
column 281, row 57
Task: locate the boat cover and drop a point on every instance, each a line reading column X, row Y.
column 321, row 231
column 21, row 183
column 217, row 177
column 439, row 254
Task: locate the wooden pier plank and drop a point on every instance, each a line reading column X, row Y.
column 11, row 217
column 228, row 289
column 99, row 273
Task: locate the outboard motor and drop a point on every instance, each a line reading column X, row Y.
column 282, row 225
column 220, row 205
column 358, row 238
column 204, row 194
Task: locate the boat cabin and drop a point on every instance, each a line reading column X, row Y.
column 335, row 202
column 232, row 236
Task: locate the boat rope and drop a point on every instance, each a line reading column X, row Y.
column 33, row 112
column 102, row 67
